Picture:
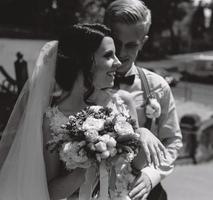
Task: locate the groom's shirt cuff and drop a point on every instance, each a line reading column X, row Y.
column 164, row 169
column 153, row 175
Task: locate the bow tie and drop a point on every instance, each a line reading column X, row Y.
column 128, row 80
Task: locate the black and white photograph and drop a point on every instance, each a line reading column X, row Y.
column 106, row 99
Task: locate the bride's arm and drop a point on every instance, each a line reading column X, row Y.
column 151, row 147
column 60, row 185
column 140, row 160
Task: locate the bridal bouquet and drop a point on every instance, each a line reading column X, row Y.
column 98, row 136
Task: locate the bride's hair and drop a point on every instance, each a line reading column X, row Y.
column 77, row 45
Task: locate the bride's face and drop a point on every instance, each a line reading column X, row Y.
column 105, row 64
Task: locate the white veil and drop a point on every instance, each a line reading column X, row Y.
column 22, row 168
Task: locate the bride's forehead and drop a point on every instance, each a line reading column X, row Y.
column 106, row 44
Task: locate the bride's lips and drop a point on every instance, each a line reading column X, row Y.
column 111, row 73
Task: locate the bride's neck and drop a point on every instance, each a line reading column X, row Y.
column 101, row 97
column 74, row 102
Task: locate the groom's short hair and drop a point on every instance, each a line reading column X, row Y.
column 128, row 12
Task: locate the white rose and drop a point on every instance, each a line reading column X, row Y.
column 81, row 156
column 105, row 154
column 73, row 152
column 123, row 128
column 95, row 108
column 91, row 135
column 93, row 123
column 72, row 118
column 78, row 154
column 120, row 118
column 153, row 109
column 67, row 147
column 113, row 151
column 104, row 138
column 101, row 146
column 112, row 142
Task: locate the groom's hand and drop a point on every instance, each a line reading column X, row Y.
column 141, row 187
column 152, row 146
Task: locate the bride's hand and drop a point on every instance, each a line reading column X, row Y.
column 152, row 146
column 129, row 102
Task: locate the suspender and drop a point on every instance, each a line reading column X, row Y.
column 146, row 90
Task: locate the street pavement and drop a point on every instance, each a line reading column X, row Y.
column 190, row 182
column 196, row 92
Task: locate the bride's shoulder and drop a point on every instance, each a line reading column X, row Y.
column 54, row 118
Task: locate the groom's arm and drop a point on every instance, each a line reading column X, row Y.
column 169, row 134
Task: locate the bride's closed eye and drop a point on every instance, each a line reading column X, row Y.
column 108, row 54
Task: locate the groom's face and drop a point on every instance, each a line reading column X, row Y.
column 129, row 39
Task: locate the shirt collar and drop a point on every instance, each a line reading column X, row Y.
column 132, row 71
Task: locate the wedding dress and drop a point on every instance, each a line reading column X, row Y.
column 118, row 186
column 22, row 168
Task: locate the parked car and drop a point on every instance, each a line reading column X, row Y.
column 189, row 125
column 197, row 138
column 199, row 70
column 204, row 150
column 172, row 78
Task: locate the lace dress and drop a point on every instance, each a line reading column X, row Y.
column 121, row 176
column 57, row 118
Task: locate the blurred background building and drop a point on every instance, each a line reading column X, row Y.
column 178, row 26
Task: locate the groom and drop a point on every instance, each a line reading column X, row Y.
column 130, row 21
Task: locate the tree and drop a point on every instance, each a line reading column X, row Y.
column 92, row 11
column 198, row 23
column 164, row 14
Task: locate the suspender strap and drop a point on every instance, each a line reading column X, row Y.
column 144, row 83
column 146, row 89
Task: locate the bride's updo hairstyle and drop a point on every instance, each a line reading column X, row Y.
column 77, row 45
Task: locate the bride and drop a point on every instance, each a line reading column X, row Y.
column 70, row 74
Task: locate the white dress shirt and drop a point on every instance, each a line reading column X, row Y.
column 167, row 128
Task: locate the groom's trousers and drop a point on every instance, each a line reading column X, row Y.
column 157, row 193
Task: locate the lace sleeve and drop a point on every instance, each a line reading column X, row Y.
column 56, row 118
